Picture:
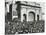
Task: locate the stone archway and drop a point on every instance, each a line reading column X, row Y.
column 31, row 16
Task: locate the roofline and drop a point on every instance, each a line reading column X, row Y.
column 30, row 5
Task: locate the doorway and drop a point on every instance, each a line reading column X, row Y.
column 24, row 17
column 31, row 16
column 37, row 17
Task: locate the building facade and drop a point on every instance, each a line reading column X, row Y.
column 24, row 11
column 23, row 17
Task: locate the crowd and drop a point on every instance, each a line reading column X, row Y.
column 24, row 27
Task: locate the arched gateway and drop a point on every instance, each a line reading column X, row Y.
column 31, row 16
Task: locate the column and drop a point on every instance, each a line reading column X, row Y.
column 40, row 16
column 27, row 16
column 36, row 16
column 7, row 5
